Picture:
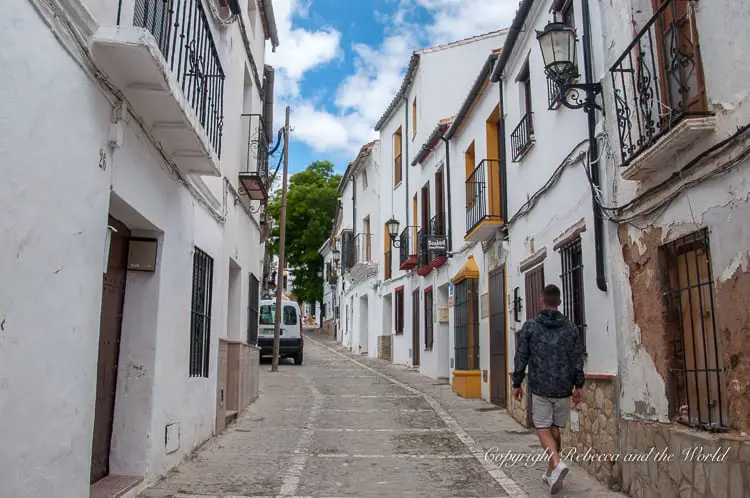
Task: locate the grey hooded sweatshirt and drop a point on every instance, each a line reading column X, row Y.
column 551, row 347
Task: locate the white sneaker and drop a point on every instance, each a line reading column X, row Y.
column 545, row 478
column 555, row 479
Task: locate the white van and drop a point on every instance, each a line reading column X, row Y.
column 291, row 339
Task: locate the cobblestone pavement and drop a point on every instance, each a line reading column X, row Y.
column 347, row 425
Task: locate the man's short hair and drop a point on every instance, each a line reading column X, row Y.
column 551, row 296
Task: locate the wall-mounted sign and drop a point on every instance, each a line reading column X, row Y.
column 483, row 305
column 437, row 244
column 442, row 315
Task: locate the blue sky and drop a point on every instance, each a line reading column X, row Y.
column 340, row 62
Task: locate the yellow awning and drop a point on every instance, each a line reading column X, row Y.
column 468, row 270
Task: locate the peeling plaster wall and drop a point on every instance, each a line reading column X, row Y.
column 719, row 204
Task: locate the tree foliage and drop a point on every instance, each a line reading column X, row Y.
column 310, row 205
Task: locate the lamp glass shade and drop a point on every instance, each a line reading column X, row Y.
column 392, row 227
column 558, row 44
column 336, row 254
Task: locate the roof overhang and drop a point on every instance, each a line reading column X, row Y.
column 432, row 141
column 269, row 23
column 411, row 70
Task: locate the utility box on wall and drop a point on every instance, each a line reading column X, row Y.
column 142, row 254
column 442, row 315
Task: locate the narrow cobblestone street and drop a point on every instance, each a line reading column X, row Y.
column 343, row 425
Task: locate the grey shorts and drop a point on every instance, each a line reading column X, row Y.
column 546, row 412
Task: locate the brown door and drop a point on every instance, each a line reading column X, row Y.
column 415, row 327
column 113, row 296
column 498, row 355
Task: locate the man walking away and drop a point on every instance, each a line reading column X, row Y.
column 551, row 346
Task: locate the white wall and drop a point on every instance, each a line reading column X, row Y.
column 54, row 217
column 557, row 134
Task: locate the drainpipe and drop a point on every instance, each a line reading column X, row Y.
column 503, row 166
column 405, row 159
column 601, row 280
column 354, row 205
column 449, row 215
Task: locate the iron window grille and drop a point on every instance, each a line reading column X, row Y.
column 200, row 317
column 428, row 320
column 698, row 384
column 416, row 310
column 252, row 309
column 534, row 283
column 399, row 309
column 467, row 325
column 183, row 34
column 572, row 286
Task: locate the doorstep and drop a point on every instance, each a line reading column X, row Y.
column 230, row 416
column 114, row 486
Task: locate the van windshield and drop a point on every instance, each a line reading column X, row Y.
column 268, row 315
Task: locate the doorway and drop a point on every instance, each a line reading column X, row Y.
column 110, row 331
column 415, row 328
column 364, row 325
column 498, row 351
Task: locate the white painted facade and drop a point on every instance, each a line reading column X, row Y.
column 63, row 178
column 559, row 136
column 359, row 306
column 437, row 98
column 718, row 203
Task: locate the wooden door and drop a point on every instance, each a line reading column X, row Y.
column 110, row 328
column 498, row 352
column 681, row 81
column 415, row 309
column 426, row 209
column 439, row 228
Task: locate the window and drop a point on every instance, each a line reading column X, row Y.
column 698, row 395
column 520, row 138
column 472, row 184
column 399, row 311
column 200, row 316
column 397, row 157
column 429, row 325
column 572, row 286
column 534, row 285
column 364, row 179
column 466, row 324
column 414, row 117
column 387, row 255
column 253, row 300
column 268, row 315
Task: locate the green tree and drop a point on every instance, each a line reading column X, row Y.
column 310, row 205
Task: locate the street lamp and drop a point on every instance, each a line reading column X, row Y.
column 392, row 226
column 558, row 44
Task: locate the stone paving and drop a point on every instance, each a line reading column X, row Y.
column 348, row 425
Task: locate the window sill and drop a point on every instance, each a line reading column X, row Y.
column 397, row 185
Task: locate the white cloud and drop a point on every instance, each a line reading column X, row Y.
column 362, row 97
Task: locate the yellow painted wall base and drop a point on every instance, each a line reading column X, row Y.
column 467, row 383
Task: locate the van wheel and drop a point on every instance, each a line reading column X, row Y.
column 298, row 358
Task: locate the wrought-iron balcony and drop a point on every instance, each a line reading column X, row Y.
column 163, row 57
column 433, row 245
column 522, row 138
column 254, row 174
column 363, row 245
column 483, row 192
column 659, row 91
column 408, row 248
column 348, row 250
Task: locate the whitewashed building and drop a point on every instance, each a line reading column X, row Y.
column 554, row 233
column 359, row 244
column 678, row 120
column 421, row 196
column 136, row 258
column 330, row 298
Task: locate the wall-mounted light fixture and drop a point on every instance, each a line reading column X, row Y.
column 558, row 44
column 517, row 304
column 392, row 226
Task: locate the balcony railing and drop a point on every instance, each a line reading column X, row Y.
column 363, row 244
column 407, row 248
column 658, row 80
column 424, row 254
column 521, row 138
column 183, row 34
column 254, row 175
column 483, row 202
